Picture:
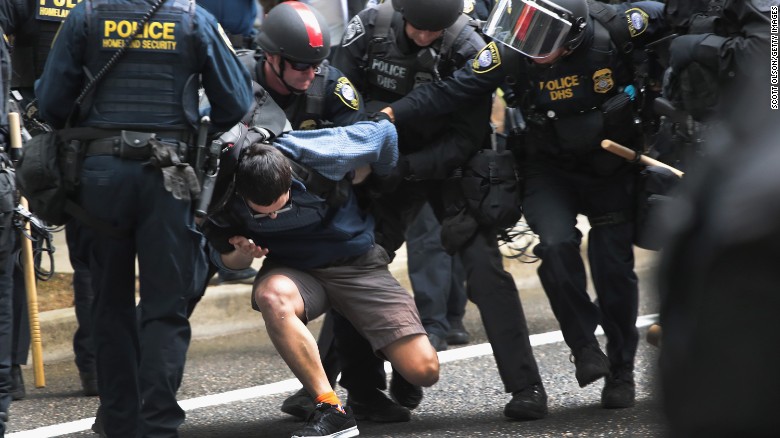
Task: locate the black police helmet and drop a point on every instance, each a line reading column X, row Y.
column 296, row 31
column 579, row 18
column 432, row 15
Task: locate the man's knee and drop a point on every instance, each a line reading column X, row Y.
column 276, row 295
column 415, row 359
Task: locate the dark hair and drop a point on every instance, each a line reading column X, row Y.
column 263, row 174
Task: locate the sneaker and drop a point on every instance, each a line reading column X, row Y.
column 530, row 403
column 458, row 335
column 89, row 383
column 374, row 405
column 328, row 421
column 438, row 343
column 619, row 391
column 17, row 383
column 592, row 364
column 245, row 276
column 299, row 404
column 404, row 393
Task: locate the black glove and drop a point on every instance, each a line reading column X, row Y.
column 682, row 51
column 378, row 116
column 388, row 183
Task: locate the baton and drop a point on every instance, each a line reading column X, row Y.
column 632, row 155
column 28, row 266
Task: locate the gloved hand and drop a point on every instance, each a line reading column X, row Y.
column 378, row 116
column 682, row 51
column 181, row 181
column 388, row 183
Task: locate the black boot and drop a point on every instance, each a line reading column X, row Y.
column 530, row 403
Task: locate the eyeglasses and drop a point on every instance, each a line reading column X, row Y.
column 302, row 66
column 255, row 215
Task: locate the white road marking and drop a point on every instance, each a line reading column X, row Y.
column 288, row 385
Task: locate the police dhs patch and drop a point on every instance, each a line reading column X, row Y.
column 346, row 92
column 354, row 31
column 602, row 81
column 487, row 59
column 637, row 21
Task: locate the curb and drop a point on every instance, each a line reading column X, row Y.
column 225, row 309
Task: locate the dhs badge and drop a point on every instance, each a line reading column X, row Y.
column 602, row 81
column 487, row 59
column 346, row 93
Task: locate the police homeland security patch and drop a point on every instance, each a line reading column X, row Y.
column 354, row 31
column 346, row 92
column 637, row 21
column 487, row 59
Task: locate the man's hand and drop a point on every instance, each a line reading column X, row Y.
column 389, row 111
column 247, row 247
column 682, row 51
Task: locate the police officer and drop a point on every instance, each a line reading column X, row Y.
column 574, row 89
column 237, row 17
column 7, row 204
column 294, row 43
column 136, row 186
column 33, row 25
column 384, row 51
column 708, row 64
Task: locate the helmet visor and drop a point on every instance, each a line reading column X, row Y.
column 535, row 28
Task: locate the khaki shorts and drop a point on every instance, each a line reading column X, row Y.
column 360, row 288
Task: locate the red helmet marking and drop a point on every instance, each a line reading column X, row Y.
column 311, row 23
column 524, row 22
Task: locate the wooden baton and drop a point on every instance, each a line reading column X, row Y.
column 28, row 265
column 631, row 155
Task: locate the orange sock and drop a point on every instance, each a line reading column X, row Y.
column 330, row 398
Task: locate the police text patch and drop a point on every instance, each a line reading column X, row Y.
column 54, row 10
column 156, row 36
column 346, row 92
column 487, row 59
column 637, row 21
column 354, row 31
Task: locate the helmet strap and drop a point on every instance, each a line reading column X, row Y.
column 280, row 74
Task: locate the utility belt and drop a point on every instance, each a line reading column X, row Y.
column 133, row 145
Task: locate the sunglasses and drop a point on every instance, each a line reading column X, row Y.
column 255, row 215
column 302, row 66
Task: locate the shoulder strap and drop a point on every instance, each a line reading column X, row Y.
column 384, row 18
column 608, row 17
column 452, row 33
column 315, row 94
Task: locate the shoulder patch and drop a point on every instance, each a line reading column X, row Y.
column 765, row 5
column 225, row 38
column 354, row 31
column 602, row 81
column 346, row 92
column 637, row 20
column 468, row 6
column 487, row 59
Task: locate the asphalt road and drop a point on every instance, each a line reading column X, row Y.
column 233, row 387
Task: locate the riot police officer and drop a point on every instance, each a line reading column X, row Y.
column 143, row 111
column 574, row 89
column 384, row 51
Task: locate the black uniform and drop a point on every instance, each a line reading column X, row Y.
column 567, row 173
column 140, row 357
column 7, row 204
column 432, row 149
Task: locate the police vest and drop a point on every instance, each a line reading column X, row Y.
column 33, row 39
column 392, row 74
column 155, row 84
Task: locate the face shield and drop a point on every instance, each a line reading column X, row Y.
column 535, row 28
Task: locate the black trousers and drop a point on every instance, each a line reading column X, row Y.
column 553, row 198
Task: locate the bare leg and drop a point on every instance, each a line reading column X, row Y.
column 416, row 360
column 282, row 307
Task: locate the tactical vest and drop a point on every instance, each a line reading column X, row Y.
column 33, row 38
column 155, row 84
column 392, row 74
